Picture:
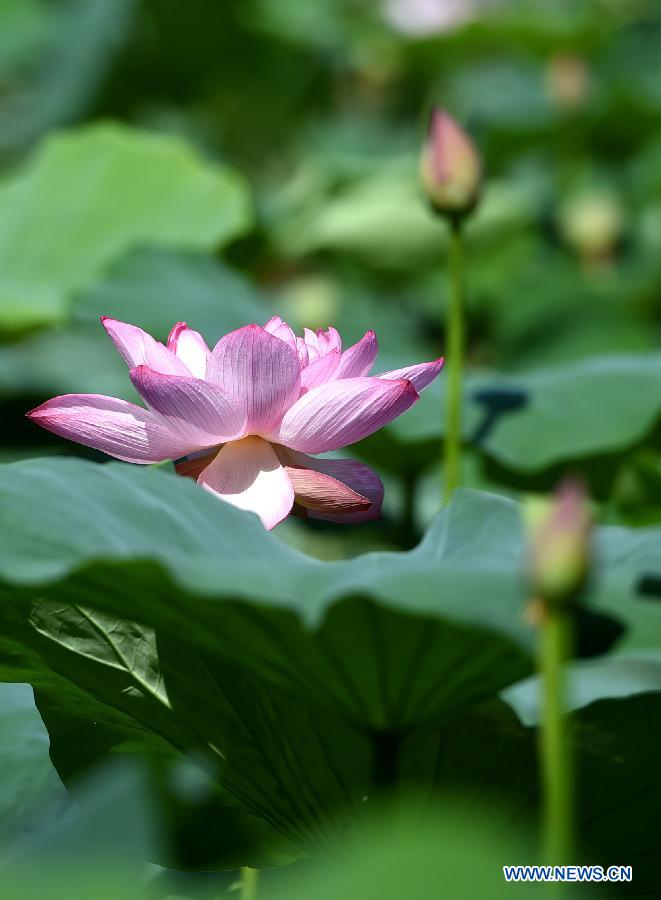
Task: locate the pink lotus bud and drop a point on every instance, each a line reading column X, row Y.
column 559, row 531
column 450, row 167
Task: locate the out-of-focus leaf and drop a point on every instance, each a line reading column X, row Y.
column 641, row 614
column 202, row 826
column 533, row 420
column 615, row 741
column 633, row 65
column 77, row 40
column 589, row 681
column 72, row 882
column 486, row 766
column 635, row 497
column 327, row 24
column 24, row 29
column 382, row 217
column 113, row 815
column 101, row 694
column 154, row 289
column 404, row 855
column 97, row 849
column 505, row 94
column 646, row 172
column 63, row 361
column 29, row 784
column 89, row 196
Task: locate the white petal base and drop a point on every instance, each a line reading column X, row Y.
column 248, row 474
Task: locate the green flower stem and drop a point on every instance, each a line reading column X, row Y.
column 556, row 639
column 248, row 883
column 455, row 363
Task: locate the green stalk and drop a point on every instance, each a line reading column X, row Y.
column 556, row 756
column 248, row 883
column 455, row 364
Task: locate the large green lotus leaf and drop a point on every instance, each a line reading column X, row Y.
column 294, row 764
column 88, row 196
column 302, row 686
column 386, row 639
column 616, row 744
column 618, row 791
column 305, row 686
column 312, row 776
column 295, row 769
column 103, row 689
column 29, row 784
column 100, row 693
column 564, row 412
column 306, row 672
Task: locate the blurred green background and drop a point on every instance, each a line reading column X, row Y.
column 221, row 162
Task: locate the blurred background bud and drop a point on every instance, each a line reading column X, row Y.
column 567, row 81
column 310, row 301
column 422, row 17
column 450, row 167
column 592, row 223
column 559, row 537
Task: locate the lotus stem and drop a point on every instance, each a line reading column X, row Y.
column 249, row 883
column 556, row 639
column 455, row 352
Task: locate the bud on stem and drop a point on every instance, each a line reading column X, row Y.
column 559, row 535
column 450, row 167
column 559, row 532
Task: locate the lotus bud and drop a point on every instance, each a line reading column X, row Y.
column 592, row 223
column 450, row 167
column 559, row 535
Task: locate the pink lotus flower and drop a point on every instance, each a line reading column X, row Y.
column 247, row 414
